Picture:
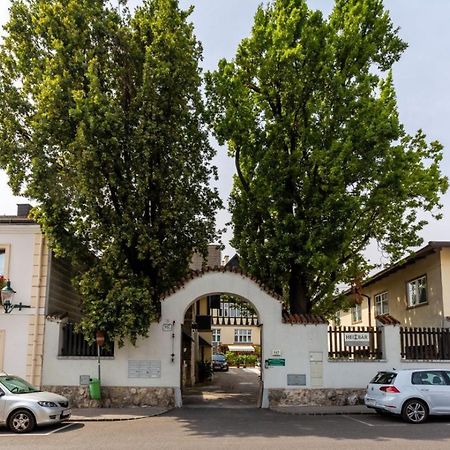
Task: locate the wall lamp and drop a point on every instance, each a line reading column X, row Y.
column 7, row 296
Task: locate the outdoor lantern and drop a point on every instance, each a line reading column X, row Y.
column 7, row 295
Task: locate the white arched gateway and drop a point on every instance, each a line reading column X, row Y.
column 219, row 281
column 278, row 339
column 149, row 372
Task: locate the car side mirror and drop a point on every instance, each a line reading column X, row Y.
column 1, row 393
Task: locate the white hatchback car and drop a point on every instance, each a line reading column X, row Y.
column 22, row 406
column 412, row 393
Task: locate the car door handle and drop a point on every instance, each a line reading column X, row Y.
column 425, row 390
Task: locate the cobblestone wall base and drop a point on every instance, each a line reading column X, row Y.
column 117, row 396
column 316, row 397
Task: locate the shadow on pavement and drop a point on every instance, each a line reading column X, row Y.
column 245, row 423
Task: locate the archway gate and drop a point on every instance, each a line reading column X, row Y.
column 213, row 282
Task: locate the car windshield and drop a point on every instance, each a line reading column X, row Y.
column 16, row 385
column 219, row 358
column 384, row 378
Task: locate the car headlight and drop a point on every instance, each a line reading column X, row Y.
column 48, row 404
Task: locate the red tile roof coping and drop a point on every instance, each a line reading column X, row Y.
column 386, row 319
column 303, row 319
column 199, row 273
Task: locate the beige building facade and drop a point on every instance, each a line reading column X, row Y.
column 415, row 291
column 42, row 285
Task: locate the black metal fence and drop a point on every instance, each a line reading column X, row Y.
column 354, row 343
column 425, row 343
column 74, row 344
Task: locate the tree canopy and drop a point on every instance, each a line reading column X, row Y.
column 324, row 165
column 103, row 125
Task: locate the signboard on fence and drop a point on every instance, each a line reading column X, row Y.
column 356, row 339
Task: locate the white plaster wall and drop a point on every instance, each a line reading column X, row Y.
column 20, row 238
column 15, row 326
column 60, row 371
column 20, row 271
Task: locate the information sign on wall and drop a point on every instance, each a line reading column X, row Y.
column 356, row 339
column 272, row 362
column 294, row 379
column 144, row 369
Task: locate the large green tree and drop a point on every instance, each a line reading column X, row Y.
column 324, row 166
column 102, row 123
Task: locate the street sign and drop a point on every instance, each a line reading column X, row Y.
column 272, row 362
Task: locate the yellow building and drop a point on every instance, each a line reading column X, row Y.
column 415, row 291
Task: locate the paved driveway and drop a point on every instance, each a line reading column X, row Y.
column 238, row 388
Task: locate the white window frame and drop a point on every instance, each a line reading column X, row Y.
column 381, row 303
column 5, row 270
column 417, row 291
column 242, row 335
column 356, row 313
column 216, row 335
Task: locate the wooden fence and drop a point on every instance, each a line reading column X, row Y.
column 74, row 344
column 354, row 343
column 425, row 343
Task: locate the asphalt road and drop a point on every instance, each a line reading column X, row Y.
column 232, row 428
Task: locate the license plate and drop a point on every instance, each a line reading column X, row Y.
column 370, row 402
column 66, row 413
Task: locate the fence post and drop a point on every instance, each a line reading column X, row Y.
column 390, row 344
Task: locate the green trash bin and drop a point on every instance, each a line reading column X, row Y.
column 94, row 389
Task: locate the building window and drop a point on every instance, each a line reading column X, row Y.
column 417, row 291
column 381, row 304
column 2, row 262
column 74, row 344
column 242, row 335
column 215, row 335
column 229, row 309
column 356, row 313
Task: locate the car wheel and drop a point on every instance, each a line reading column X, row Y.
column 415, row 411
column 21, row 421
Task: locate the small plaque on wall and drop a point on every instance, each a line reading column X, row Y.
column 294, row 379
column 144, row 369
column 85, row 380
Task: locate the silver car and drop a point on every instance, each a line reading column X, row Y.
column 22, row 406
column 412, row 393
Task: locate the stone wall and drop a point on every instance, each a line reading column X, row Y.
column 316, row 397
column 117, row 396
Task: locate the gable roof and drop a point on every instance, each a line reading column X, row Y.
column 429, row 249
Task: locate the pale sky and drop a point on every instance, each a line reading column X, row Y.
column 421, row 79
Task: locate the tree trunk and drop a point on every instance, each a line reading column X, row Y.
column 299, row 302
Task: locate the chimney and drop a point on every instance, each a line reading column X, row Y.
column 23, row 209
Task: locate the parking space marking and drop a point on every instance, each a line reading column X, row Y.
column 380, row 424
column 38, row 434
column 360, row 421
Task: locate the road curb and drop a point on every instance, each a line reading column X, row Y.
column 115, row 418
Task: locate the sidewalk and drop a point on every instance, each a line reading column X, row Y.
column 116, row 414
